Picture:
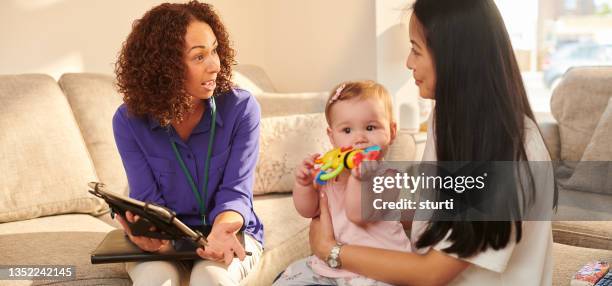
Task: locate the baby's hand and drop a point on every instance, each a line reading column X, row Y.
column 303, row 174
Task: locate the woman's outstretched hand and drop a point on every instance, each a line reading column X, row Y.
column 223, row 243
column 144, row 243
column 321, row 230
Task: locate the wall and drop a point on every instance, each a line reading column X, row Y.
column 306, row 45
column 54, row 36
column 303, row 45
column 58, row 36
column 392, row 49
column 315, row 44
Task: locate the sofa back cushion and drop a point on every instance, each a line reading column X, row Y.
column 45, row 165
column 281, row 104
column 599, row 148
column 593, row 172
column 94, row 100
column 273, row 103
column 577, row 104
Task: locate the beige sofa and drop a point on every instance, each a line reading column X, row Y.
column 57, row 136
column 580, row 129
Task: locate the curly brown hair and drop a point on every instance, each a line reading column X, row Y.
column 150, row 68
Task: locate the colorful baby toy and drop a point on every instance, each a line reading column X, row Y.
column 336, row 160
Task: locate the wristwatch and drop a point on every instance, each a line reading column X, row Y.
column 333, row 259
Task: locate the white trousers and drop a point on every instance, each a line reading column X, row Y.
column 203, row 272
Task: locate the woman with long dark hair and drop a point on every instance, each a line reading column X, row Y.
column 462, row 58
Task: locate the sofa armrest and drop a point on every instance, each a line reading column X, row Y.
column 282, row 104
column 550, row 132
column 252, row 78
column 589, row 234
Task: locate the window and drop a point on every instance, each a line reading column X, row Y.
column 560, row 34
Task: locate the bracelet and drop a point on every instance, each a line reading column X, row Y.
column 333, row 259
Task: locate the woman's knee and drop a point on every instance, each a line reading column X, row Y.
column 154, row 273
column 213, row 273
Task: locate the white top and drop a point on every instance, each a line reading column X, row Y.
column 527, row 263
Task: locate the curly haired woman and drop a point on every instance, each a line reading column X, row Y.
column 188, row 141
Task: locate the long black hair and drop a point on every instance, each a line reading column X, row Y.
column 481, row 105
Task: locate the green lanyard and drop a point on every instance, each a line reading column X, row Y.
column 194, row 189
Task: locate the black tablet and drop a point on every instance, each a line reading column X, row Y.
column 165, row 221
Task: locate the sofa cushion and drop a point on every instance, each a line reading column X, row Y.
column 577, row 205
column 594, row 172
column 284, row 142
column 61, row 248
column 61, row 239
column 45, row 166
column 286, row 238
column 569, row 259
column 94, row 99
column 591, row 234
column 599, row 146
column 577, row 104
column 57, row 223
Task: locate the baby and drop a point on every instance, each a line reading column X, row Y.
column 359, row 114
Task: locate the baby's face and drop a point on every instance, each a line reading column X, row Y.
column 360, row 123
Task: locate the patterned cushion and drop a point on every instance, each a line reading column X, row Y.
column 284, row 142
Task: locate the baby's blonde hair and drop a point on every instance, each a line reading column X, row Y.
column 360, row 90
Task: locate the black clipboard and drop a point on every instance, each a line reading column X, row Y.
column 116, row 246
